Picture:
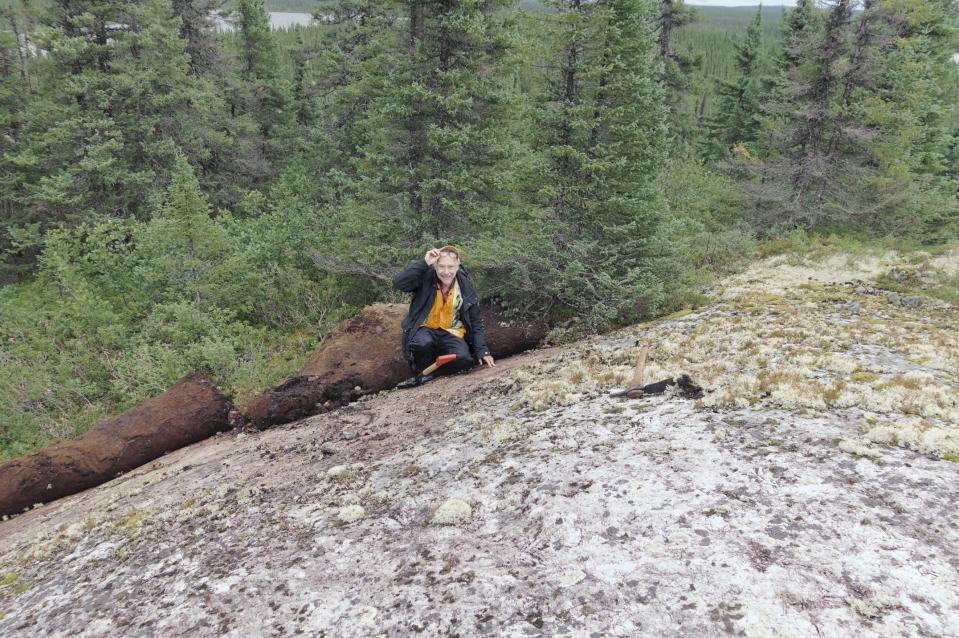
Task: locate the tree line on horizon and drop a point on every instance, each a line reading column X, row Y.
column 176, row 199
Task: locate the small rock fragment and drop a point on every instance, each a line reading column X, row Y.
column 571, row 578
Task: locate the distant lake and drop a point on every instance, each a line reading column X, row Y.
column 278, row 20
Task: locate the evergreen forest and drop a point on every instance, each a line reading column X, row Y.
column 178, row 198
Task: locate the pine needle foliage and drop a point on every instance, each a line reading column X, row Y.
column 600, row 132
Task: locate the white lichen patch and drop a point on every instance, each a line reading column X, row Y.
column 857, row 448
column 453, row 511
column 917, row 434
column 350, row 514
column 75, row 530
column 807, row 337
column 948, row 262
column 338, row 472
column 506, row 430
column 873, row 607
column 584, row 375
column 344, row 471
column 776, row 275
column 802, row 346
column 307, row 515
column 366, row 616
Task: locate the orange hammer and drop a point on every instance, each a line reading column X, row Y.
column 443, row 359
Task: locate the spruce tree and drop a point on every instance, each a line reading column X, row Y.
column 182, row 251
column 799, row 24
column 739, row 112
column 15, row 88
column 911, row 102
column 120, row 103
column 801, row 114
column 800, row 27
column 358, row 61
column 259, row 64
column 428, row 99
column 259, row 92
column 237, row 152
column 259, row 50
column 196, row 29
column 858, row 132
column 811, row 135
column 677, row 65
column 458, row 106
column 602, row 135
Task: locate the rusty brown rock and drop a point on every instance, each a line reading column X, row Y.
column 363, row 354
column 191, row 410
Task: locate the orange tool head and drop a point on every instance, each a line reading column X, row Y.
column 443, row 359
column 440, row 360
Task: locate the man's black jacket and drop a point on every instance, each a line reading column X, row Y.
column 420, row 279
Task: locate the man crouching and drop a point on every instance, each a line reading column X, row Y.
column 444, row 316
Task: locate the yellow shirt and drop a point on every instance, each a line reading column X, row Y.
column 445, row 313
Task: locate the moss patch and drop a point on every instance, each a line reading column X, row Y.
column 131, row 523
column 411, row 469
column 19, row 588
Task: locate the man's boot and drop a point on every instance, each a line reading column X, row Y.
column 417, row 379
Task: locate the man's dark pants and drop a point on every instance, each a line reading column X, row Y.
column 429, row 343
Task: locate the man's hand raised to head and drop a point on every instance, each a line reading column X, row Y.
column 431, row 256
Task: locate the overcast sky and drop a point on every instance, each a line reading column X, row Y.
column 740, row 3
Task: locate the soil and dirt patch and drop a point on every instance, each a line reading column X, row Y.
column 192, row 410
column 364, row 354
column 359, row 356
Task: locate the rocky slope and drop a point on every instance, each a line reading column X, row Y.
column 812, row 491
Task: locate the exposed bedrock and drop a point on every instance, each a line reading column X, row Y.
column 192, row 410
column 362, row 355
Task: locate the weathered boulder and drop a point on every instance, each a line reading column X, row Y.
column 363, row 354
column 193, row 409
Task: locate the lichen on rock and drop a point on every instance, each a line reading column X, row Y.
column 857, row 448
column 350, row 514
column 453, row 511
column 741, row 514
